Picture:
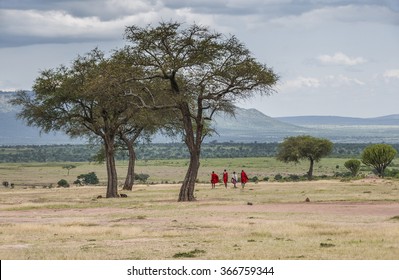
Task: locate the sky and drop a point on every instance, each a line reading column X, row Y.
column 333, row 57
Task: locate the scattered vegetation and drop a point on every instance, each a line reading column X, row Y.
column 191, row 254
column 153, row 151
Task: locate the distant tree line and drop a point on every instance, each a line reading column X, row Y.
column 88, row 153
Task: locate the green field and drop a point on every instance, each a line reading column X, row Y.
column 165, row 171
column 350, row 219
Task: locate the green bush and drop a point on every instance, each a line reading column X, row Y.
column 293, row 177
column 141, row 177
column 353, row 165
column 63, row 183
column 254, row 179
column 87, row 179
column 394, row 173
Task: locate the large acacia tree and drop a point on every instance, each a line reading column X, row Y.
column 204, row 72
column 88, row 98
column 296, row 148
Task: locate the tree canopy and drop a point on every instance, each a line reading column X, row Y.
column 296, row 148
column 90, row 98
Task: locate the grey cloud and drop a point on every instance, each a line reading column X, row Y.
column 104, row 19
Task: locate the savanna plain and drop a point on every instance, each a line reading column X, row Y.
column 343, row 219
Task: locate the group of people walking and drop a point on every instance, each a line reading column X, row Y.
column 234, row 179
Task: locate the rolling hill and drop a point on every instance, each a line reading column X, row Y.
column 248, row 125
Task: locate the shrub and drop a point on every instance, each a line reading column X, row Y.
column 254, row 179
column 394, row 173
column 293, row 177
column 141, row 177
column 63, row 183
column 353, row 165
column 87, row 179
column 278, row 177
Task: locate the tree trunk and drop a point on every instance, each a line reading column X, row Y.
column 310, row 172
column 112, row 183
column 129, row 181
column 187, row 188
column 193, row 142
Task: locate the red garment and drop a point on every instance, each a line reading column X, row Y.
column 225, row 177
column 214, row 178
column 244, row 177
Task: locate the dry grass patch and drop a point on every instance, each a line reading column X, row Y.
column 340, row 222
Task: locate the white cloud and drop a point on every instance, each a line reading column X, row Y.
column 330, row 81
column 340, row 58
column 341, row 80
column 300, row 82
column 391, row 74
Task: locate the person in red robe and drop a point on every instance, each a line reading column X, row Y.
column 214, row 179
column 225, row 178
column 244, row 178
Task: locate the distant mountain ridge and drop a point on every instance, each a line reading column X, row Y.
column 335, row 120
column 248, row 125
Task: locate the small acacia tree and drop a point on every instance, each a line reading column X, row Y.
column 353, row 165
column 68, row 167
column 294, row 149
column 378, row 156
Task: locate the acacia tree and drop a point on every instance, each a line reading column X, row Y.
column 88, row 98
column 296, row 148
column 204, row 72
column 379, row 156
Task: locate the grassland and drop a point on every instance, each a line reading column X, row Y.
column 161, row 171
column 267, row 220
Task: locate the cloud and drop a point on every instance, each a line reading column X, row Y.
column 330, row 81
column 341, row 80
column 54, row 26
column 300, row 82
column 20, row 27
column 347, row 13
column 26, row 22
column 391, row 74
column 340, row 59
